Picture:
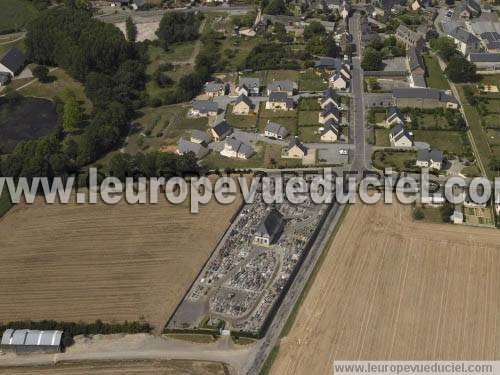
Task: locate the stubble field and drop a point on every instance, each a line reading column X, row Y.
column 124, row 367
column 114, row 263
column 393, row 289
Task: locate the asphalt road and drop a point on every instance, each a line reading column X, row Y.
column 362, row 155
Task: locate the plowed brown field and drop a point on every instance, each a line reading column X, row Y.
column 86, row 262
column 393, row 289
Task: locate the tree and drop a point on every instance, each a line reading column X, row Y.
column 445, row 47
column 177, row 27
column 461, row 70
column 372, row 60
column 331, row 48
column 418, row 214
column 313, row 29
column 41, row 72
column 72, row 113
column 275, row 7
column 131, row 30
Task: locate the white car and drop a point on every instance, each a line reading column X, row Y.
column 343, row 151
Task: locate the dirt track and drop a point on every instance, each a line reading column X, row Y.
column 390, row 288
column 87, row 262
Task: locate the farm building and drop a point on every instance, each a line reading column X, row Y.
column 29, row 341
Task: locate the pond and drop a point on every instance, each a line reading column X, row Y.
column 30, row 118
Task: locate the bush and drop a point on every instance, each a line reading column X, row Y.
column 418, row 214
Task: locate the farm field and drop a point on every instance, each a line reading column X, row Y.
column 393, row 289
column 86, row 262
column 121, row 367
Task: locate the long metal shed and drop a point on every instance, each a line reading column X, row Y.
column 27, row 341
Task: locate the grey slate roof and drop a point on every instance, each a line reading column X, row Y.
column 415, row 59
column 13, row 59
column 422, row 93
column 240, row 147
column 484, row 57
column 214, row 86
column 184, row 146
column 205, row 106
column 330, row 93
column 393, row 112
column 278, row 96
column 275, row 128
column 201, row 135
column 399, row 132
column 24, row 337
column 428, row 155
column 328, row 62
column 249, row 82
column 331, row 126
column 464, row 36
column 330, row 108
column 245, row 99
column 271, row 225
column 222, row 128
column 491, row 39
column 286, row 85
column 299, row 144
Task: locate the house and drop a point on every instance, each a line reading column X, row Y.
column 12, row 62
column 485, row 61
column 248, row 86
column 4, row 78
column 409, row 37
column 338, row 81
column 432, row 159
column 269, row 229
column 203, row 108
column 491, row 41
column 31, row 341
column 330, row 132
column 416, row 67
column 345, row 9
column 198, row 136
column 416, row 5
column 274, row 130
column 198, row 149
column 329, row 112
column 436, row 199
column 279, row 101
column 221, row 131
column 242, row 106
column 286, row 86
column 457, row 217
column 234, row 148
column 465, row 41
column 393, row 116
column 423, row 98
column 295, row 150
column 215, row 88
column 330, row 97
column 138, row 4
column 331, row 64
column 467, row 9
column 400, row 137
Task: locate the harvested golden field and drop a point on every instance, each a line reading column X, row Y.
column 394, row 289
column 86, row 262
column 123, row 367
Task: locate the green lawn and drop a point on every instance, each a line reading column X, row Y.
column 310, row 81
column 309, row 133
column 453, row 142
column 16, row 14
column 241, row 122
column 394, row 159
column 55, row 88
column 382, row 137
column 19, row 44
column 309, row 104
column 433, row 74
column 236, row 50
column 309, row 118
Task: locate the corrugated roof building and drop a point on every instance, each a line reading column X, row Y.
column 28, row 341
